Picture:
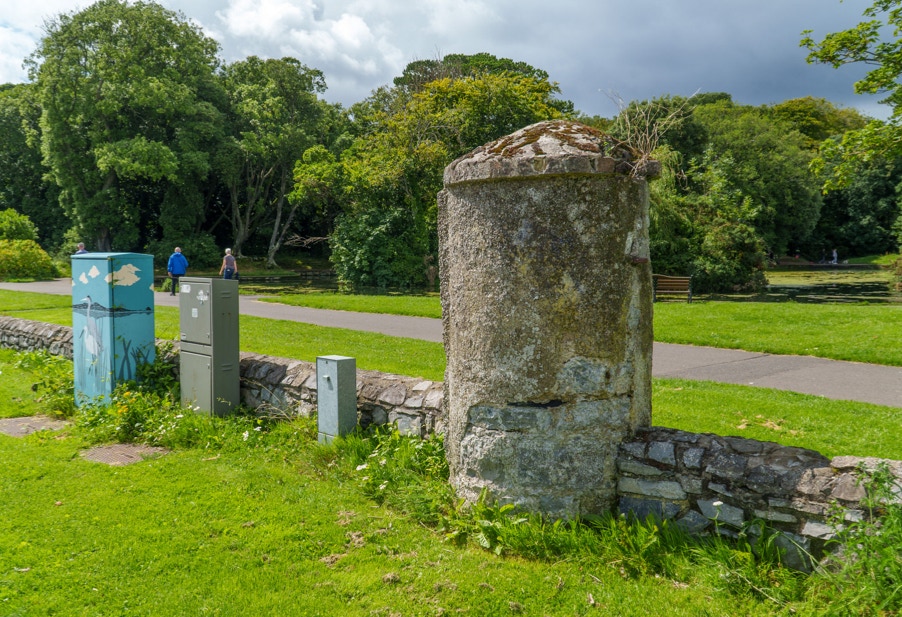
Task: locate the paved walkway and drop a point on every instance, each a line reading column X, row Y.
column 855, row 381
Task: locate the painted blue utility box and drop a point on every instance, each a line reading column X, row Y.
column 112, row 320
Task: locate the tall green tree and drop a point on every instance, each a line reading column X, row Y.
column 275, row 117
column 419, row 73
column 818, row 119
column 874, row 42
column 768, row 164
column 22, row 184
column 864, row 216
column 130, row 115
column 387, row 233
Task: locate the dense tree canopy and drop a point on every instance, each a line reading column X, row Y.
column 129, row 104
column 387, row 234
column 132, row 136
column 22, row 184
column 274, row 117
column 875, row 42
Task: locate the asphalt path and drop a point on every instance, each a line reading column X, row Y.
column 870, row 383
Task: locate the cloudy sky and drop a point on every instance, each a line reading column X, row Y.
column 597, row 50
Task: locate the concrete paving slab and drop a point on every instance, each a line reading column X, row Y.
column 20, row 427
column 122, row 453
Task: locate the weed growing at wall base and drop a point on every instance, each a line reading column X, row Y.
column 864, row 577
column 410, row 475
column 54, row 383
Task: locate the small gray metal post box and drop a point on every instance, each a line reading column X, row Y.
column 209, row 356
column 336, row 396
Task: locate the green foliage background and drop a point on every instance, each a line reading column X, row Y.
column 128, row 145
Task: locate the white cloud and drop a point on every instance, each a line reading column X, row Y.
column 14, row 47
column 267, row 19
column 449, row 18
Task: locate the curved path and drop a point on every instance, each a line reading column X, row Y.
column 870, row 383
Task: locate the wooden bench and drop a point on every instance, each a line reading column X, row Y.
column 664, row 285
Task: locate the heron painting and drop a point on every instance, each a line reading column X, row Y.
column 112, row 320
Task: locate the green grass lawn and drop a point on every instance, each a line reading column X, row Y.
column 267, row 531
column 854, row 332
column 416, row 306
column 271, row 525
column 857, row 332
column 831, row 427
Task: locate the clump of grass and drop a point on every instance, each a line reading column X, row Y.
column 410, row 475
column 54, row 383
column 864, row 574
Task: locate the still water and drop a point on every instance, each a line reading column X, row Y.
column 872, row 286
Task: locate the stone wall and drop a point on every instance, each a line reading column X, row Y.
column 691, row 478
column 284, row 385
column 25, row 335
column 696, row 479
column 279, row 385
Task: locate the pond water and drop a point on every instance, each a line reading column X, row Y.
column 820, row 285
column 832, row 292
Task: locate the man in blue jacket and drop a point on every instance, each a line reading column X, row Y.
column 177, row 267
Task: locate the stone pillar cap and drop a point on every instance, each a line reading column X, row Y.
column 554, row 147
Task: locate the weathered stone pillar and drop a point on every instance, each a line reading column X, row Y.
column 546, row 300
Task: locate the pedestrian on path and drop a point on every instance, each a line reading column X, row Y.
column 229, row 268
column 80, row 249
column 177, row 267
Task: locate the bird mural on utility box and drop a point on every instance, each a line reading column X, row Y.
column 93, row 340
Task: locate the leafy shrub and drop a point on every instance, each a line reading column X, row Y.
column 865, row 575
column 55, row 384
column 15, row 226
column 378, row 248
column 25, row 259
column 200, row 250
column 730, row 259
column 410, row 474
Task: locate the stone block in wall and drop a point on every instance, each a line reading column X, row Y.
column 634, row 449
column 393, row 396
column 847, row 487
column 722, row 512
column 635, row 468
column 815, row 482
column 662, row 452
column 776, row 516
column 414, row 402
column 726, row 464
column 796, row 550
column 819, row 530
column 692, row 484
column 642, row 508
column 693, row 522
column 664, row 489
column 407, row 423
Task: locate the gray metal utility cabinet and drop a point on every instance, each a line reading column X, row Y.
column 336, row 396
column 209, row 357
